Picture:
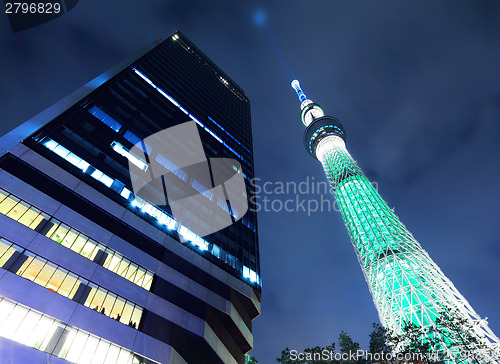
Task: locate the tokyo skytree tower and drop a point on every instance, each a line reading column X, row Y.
column 408, row 288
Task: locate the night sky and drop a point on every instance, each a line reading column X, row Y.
column 416, row 85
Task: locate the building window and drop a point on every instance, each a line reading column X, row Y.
column 72, row 239
column 67, row 284
column 31, row 328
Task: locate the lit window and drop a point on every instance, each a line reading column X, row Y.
column 68, row 286
column 61, row 151
column 18, row 210
column 106, row 180
column 97, row 174
column 83, row 165
column 101, row 351
column 105, row 118
column 50, row 144
column 45, row 274
column 246, row 272
column 125, row 193
column 131, row 137
column 29, row 216
column 137, row 161
column 13, row 321
column 26, row 327
column 6, row 251
column 7, row 204
column 73, row 159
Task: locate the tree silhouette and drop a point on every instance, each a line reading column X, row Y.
column 378, row 340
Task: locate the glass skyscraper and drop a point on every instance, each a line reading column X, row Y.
column 110, row 276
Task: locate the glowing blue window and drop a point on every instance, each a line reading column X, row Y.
column 164, row 219
column 97, row 174
column 253, row 276
column 246, row 272
column 138, row 202
column 83, row 165
column 131, row 137
column 154, row 211
column 73, row 159
column 66, row 154
column 216, row 251
column 106, row 180
column 125, row 193
column 50, row 144
column 105, row 118
column 147, row 208
column 231, row 260
column 61, row 151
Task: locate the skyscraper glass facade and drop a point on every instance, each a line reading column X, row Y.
column 68, row 184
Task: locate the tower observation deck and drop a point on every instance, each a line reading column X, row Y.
column 409, row 290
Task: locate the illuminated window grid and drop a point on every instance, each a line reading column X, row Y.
column 70, row 285
column 31, row 328
column 63, row 234
column 144, row 206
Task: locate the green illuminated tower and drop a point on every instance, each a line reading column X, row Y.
column 408, row 288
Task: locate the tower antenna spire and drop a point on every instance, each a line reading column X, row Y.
column 310, row 111
column 301, row 95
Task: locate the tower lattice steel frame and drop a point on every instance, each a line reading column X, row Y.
column 407, row 286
